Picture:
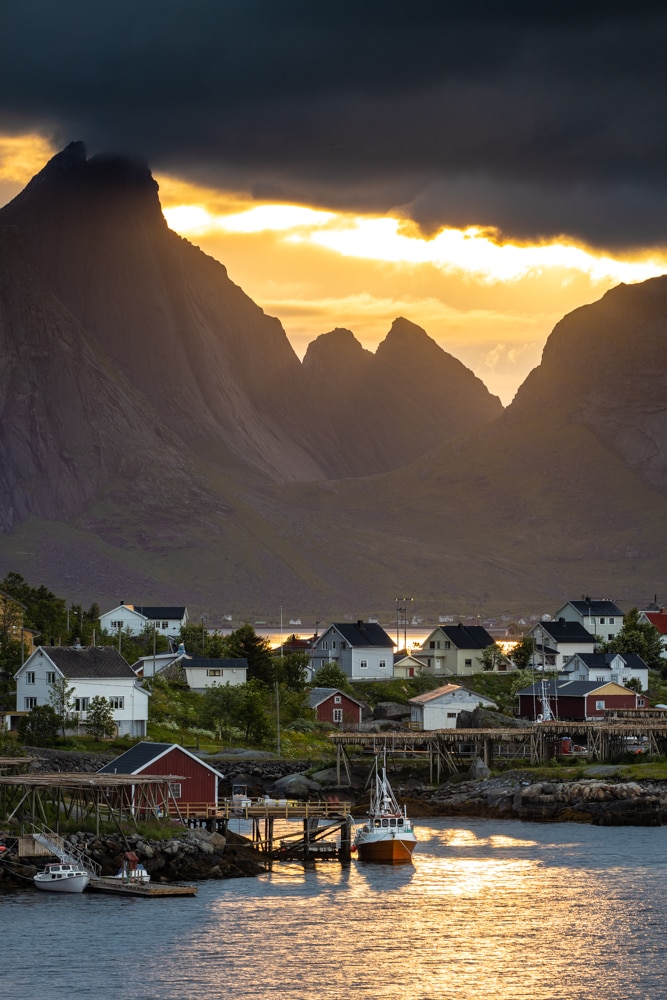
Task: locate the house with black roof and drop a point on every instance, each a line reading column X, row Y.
column 194, row 784
column 91, row 671
column 455, row 650
column 556, row 642
column 362, row 650
column 601, row 618
column 617, row 667
column 135, row 618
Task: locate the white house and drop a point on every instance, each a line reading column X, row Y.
column 135, row 618
column 363, row 651
column 202, row 672
column 91, row 671
column 600, row 618
column 556, row 642
column 439, row 709
column 615, row 667
column 407, row 666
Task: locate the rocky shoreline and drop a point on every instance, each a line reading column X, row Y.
column 600, row 797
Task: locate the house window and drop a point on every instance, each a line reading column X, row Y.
column 612, row 621
column 333, row 644
column 29, row 703
column 337, row 699
column 343, row 645
column 338, row 715
column 214, row 672
column 431, row 645
column 600, row 677
column 118, row 624
column 325, row 645
column 382, row 664
column 116, row 701
column 468, row 663
column 451, row 715
column 81, row 704
column 50, row 677
column 447, row 644
column 602, row 621
column 30, row 677
column 165, row 624
column 610, row 635
column 363, row 664
column 599, row 706
column 175, row 789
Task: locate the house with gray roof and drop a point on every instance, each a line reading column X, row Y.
column 362, row 650
column 556, row 642
column 440, row 708
column 136, row 618
column 617, row 667
column 455, row 650
column 91, row 671
column 335, row 706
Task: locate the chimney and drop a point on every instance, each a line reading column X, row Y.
column 360, row 623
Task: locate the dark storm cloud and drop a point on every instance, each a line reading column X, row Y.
column 538, row 121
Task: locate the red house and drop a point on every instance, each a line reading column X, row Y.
column 332, row 705
column 575, row 701
column 194, row 790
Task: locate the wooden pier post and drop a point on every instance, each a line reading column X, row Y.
column 346, row 839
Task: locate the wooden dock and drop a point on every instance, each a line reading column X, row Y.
column 149, row 890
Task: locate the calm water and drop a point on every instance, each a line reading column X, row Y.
column 488, row 910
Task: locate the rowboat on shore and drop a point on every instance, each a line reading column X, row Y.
column 387, row 836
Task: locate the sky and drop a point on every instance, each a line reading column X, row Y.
column 479, row 168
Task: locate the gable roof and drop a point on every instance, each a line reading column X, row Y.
column 87, row 661
column 595, row 609
column 151, row 611
column 318, row 695
column 421, row 699
column 633, row 660
column 658, row 619
column 467, row 636
column 562, row 631
column 138, row 757
column 571, row 689
column 362, row 634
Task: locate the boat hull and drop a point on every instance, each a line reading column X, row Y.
column 386, row 851
column 75, row 883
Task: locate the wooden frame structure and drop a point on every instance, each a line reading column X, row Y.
column 450, row 750
column 110, row 797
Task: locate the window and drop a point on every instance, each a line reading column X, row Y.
column 338, row 715
column 612, row 621
column 600, row 677
column 431, row 645
column 30, row 677
column 81, row 704
column 333, row 644
column 599, row 706
column 325, row 645
column 29, row 703
column 610, row 635
column 175, row 789
column 468, row 663
column 363, row 664
column 451, row 715
column 447, row 644
column 215, row 672
column 382, row 664
column 118, row 624
column 343, row 645
column 337, row 699
column 602, row 621
column 116, row 701
column 50, row 677
column 165, row 624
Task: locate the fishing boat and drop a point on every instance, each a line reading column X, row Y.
column 62, row 877
column 387, row 836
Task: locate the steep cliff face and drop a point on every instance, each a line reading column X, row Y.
column 605, row 367
column 69, row 423
column 386, row 409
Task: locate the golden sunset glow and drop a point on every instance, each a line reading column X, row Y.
column 492, row 304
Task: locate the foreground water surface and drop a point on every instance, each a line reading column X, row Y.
column 489, row 909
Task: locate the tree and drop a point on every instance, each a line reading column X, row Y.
column 39, row 727
column 100, row 722
column 60, row 699
column 634, row 684
column 637, row 637
column 522, row 653
column 290, row 670
column 221, row 708
column 252, row 716
column 244, row 642
column 491, row 656
column 330, row 675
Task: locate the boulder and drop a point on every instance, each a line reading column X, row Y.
column 391, row 710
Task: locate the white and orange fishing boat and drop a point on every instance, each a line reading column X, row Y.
column 387, row 836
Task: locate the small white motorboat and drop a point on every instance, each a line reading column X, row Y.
column 62, row 877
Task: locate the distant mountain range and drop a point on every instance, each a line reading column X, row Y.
column 161, row 440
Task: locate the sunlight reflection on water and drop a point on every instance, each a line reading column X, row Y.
column 488, row 910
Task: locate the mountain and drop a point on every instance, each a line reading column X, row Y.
column 161, row 438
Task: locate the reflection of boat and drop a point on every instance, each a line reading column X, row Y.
column 62, row 877
column 387, row 836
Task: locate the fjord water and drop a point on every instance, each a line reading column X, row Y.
column 489, row 909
